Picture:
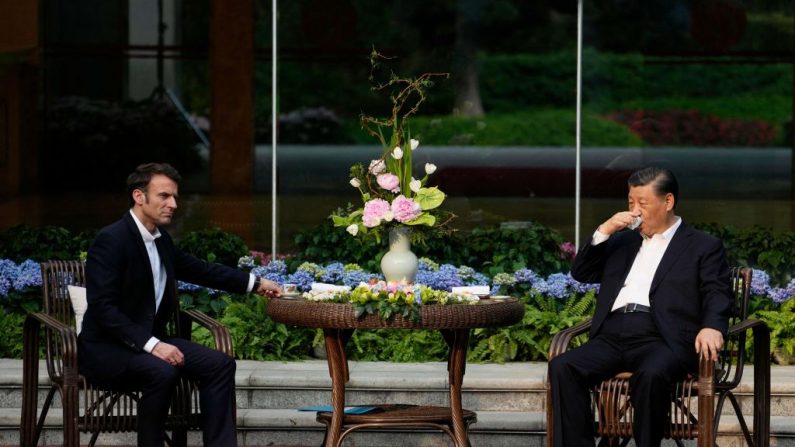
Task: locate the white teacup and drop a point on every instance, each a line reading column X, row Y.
column 290, row 289
column 635, row 223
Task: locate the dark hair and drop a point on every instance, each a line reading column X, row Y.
column 139, row 179
column 663, row 181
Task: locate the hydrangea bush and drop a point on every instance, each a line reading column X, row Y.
column 552, row 303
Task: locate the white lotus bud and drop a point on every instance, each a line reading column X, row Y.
column 430, row 168
column 355, row 182
column 414, row 143
column 415, row 184
column 397, row 153
column 353, row 229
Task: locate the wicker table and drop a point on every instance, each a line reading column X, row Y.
column 338, row 322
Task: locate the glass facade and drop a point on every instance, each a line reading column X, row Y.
column 701, row 86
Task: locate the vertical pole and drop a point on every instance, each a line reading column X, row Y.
column 578, row 130
column 274, row 120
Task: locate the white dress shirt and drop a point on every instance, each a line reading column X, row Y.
column 158, row 270
column 637, row 285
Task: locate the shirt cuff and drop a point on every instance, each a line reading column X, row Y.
column 151, row 344
column 251, row 279
column 599, row 237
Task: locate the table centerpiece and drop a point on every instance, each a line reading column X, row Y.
column 394, row 201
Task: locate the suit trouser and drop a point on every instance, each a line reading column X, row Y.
column 626, row 342
column 215, row 373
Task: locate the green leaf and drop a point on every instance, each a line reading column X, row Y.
column 423, row 219
column 429, row 198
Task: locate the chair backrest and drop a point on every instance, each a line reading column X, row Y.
column 729, row 367
column 56, row 276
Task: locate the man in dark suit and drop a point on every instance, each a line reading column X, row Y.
column 664, row 299
column 131, row 270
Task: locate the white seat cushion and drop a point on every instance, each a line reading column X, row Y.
column 79, row 304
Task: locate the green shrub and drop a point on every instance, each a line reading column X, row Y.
column 549, row 127
column 11, row 328
column 490, row 250
column 782, row 331
column 257, row 337
column 42, row 243
column 762, row 248
column 530, row 340
column 397, row 345
column 214, row 245
column 519, row 81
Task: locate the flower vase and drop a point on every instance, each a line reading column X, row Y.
column 399, row 264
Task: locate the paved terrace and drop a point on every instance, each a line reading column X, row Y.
column 508, row 398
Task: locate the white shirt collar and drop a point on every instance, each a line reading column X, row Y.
column 148, row 237
column 669, row 233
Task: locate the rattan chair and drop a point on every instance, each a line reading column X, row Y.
column 89, row 408
column 697, row 402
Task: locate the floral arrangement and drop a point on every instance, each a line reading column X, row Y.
column 390, row 299
column 392, row 193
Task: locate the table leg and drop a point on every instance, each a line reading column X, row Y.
column 336, row 339
column 458, row 341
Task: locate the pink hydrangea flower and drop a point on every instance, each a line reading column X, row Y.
column 405, row 209
column 374, row 212
column 390, row 182
column 567, row 251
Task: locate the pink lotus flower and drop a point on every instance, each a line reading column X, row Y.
column 390, row 182
column 405, row 209
column 374, row 212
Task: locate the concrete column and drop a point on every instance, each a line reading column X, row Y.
column 231, row 83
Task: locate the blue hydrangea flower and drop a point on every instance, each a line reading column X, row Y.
column 478, row 279
column 277, row 266
column 28, row 275
column 332, row 273
column 274, row 274
column 8, row 274
column 427, row 264
column 354, row 277
column 188, row 287
column 526, row 276
column 556, row 285
column 779, row 295
column 445, row 278
column 760, row 282
column 303, row 279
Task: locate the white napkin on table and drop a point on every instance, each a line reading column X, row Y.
column 474, row 290
column 323, row 287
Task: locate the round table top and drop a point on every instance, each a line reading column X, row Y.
column 485, row 313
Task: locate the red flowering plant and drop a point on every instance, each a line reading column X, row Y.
column 391, row 194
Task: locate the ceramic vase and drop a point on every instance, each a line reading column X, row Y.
column 399, row 264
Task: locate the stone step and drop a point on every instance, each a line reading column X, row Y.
column 263, row 427
column 508, row 398
column 486, row 387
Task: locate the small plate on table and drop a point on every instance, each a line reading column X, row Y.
column 291, row 295
column 501, row 297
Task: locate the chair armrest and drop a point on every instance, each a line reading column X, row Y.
column 61, row 355
column 221, row 336
column 745, row 325
column 561, row 340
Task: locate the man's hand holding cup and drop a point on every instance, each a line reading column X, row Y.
column 621, row 220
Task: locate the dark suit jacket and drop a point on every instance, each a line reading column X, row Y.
column 121, row 314
column 690, row 289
